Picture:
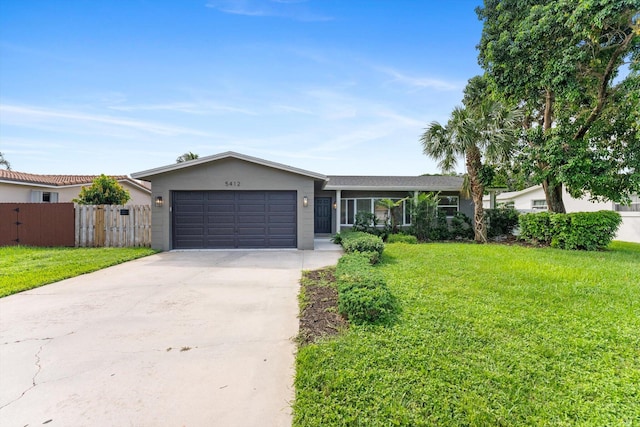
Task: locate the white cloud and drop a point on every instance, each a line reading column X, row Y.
column 418, row 82
column 185, row 107
column 31, row 116
column 290, row 9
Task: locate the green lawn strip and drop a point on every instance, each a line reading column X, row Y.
column 23, row 268
column 488, row 335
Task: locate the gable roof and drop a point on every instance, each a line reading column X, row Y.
column 395, row 183
column 226, row 155
column 23, row 178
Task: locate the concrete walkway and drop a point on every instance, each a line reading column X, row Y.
column 194, row 338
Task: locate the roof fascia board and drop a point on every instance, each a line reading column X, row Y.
column 53, row 186
column 221, row 156
column 37, row 184
column 389, row 188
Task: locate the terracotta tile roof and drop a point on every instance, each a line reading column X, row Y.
column 60, row 180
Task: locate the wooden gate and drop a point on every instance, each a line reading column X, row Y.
column 37, row 224
column 113, row 226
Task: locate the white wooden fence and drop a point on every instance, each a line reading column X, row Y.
column 112, row 226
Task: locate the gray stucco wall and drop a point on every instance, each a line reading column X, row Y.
column 229, row 174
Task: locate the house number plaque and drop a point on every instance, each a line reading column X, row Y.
column 232, row 183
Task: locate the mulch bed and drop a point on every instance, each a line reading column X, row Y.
column 320, row 317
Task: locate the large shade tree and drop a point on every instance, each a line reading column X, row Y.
column 573, row 66
column 482, row 131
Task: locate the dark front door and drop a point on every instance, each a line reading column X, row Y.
column 234, row 219
column 322, row 222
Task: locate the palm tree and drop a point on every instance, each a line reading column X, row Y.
column 186, row 157
column 4, row 162
column 487, row 130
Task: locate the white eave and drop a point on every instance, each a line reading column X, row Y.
column 144, row 175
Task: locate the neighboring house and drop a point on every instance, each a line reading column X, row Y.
column 532, row 199
column 231, row 200
column 20, row 187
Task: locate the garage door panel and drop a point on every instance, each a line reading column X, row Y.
column 188, row 195
column 190, row 209
column 189, row 221
column 281, row 219
column 221, row 219
column 221, row 208
column 234, row 219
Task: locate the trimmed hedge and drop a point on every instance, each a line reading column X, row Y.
column 576, row 231
column 359, row 241
column 363, row 295
column 402, row 238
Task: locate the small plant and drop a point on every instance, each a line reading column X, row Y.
column 367, row 305
column 402, row 238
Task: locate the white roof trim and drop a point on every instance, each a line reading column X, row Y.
column 390, row 188
column 515, row 194
column 229, row 154
column 131, row 182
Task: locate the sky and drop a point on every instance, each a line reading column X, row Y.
column 331, row 86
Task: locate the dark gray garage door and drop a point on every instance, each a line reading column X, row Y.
column 234, row 219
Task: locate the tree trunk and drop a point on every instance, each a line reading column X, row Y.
column 552, row 192
column 474, row 162
column 553, row 195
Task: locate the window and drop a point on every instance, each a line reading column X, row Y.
column 633, row 207
column 539, row 204
column 44, row 197
column 349, row 208
column 449, row 204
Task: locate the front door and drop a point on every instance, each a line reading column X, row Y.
column 322, row 222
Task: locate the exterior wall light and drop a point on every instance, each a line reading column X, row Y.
column 335, row 205
column 305, row 201
column 159, row 201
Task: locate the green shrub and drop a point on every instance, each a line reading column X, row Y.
column 367, row 305
column 501, row 221
column 363, row 295
column 588, row 231
column 362, row 242
column 536, row 227
column 402, row 238
column 461, row 227
column 579, row 230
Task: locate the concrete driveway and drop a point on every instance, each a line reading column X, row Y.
column 198, row 338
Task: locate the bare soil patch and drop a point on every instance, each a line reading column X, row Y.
column 319, row 317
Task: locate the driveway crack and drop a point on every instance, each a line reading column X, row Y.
column 35, row 375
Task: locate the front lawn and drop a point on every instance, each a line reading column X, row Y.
column 489, row 335
column 24, row 267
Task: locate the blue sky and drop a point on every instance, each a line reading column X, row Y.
column 332, row 86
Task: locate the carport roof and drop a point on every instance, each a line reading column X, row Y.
column 229, row 154
column 395, row 183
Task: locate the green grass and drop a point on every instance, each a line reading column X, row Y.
column 24, row 267
column 489, row 335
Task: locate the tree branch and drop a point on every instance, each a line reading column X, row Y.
column 602, row 88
